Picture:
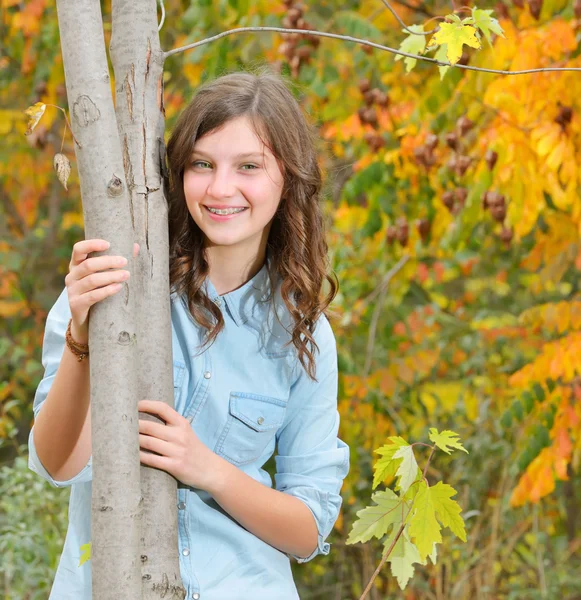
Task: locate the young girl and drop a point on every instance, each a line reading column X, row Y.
column 255, row 363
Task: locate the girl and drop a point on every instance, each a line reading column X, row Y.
column 255, row 363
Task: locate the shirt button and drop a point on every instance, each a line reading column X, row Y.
column 260, row 420
column 207, row 375
column 181, row 505
column 218, row 302
column 186, row 551
column 196, row 596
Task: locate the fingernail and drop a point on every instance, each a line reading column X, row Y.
column 107, row 245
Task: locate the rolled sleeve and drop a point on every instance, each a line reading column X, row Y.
column 52, row 350
column 312, row 461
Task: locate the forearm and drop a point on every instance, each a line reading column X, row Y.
column 279, row 519
column 62, row 429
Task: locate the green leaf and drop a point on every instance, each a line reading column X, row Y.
column 455, row 35
column 486, row 23
column 402, row 558
column 408, row 469
column 386, row 466
column 412, row 44
column 448, row 510
column 376, row 520
column 85, row 554
column 446, row 440
column 424, row 528
column 442, row 56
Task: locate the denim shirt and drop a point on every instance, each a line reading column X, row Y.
column 244, row 395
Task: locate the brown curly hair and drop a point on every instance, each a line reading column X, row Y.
column 296, row 247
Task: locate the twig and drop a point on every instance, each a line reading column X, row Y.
column 348, row 38
column 162, row 15
column 539, row 553
column 67, row 121
column 404, row 25
column 378, row 308
column 382, row 562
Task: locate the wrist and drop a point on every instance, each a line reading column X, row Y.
column 221, row 470
column 79, row 336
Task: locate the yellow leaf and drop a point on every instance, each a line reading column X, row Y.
column 455, row 35
column 11, row 309
column 34, row 113
column 62, row 166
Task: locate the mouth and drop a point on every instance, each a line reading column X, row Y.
column 225, row 212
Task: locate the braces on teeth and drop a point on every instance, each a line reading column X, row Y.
column 225, row 211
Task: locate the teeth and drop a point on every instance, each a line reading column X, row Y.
column 225, row 211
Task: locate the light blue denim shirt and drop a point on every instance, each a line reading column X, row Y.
column 244, row 395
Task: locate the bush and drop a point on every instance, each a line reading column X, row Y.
column 33, row 521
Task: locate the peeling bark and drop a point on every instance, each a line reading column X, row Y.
column 136, row 55
column 116, row 495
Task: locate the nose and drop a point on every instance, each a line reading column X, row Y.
column 221, row 185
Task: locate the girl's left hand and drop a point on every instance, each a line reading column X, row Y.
column 178, row 449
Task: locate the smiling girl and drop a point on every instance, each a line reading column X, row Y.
column 255, row 362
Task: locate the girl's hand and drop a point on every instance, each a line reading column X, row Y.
column 91, row 280
column 178, row 449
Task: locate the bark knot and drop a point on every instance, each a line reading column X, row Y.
column 124, row 338
column 85, row 111
column 115, row 186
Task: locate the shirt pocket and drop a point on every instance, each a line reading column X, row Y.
column 252, row 423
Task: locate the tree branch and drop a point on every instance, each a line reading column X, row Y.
column 404, row 25
column 348, row 38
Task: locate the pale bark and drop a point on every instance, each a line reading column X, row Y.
column 138, row 64
column 116, row 506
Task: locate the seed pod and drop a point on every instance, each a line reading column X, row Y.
column 452, row 163
column 294, row 14
column 364, row 85
column 462, row 164
column 502, row 10
column 495, row 199
column 460, row 195
column 577, row 9
column 431, row 141
column 369, row 97
column 465, row 58
column 391, row 235
column 498, row 212
column 491, row 157
column 448, row 199
column 518, row 3
column 564, row 117
column 382, row 99
column 362, row 114
column 288, row 23
column 419, row 154
column 367, row 49
column 506, row 236
column 484, row 200
column 304, row 53
column 371, row 116
column 423, row 226
column 464, row 125
column 535, row 8
column 315, row 40
column 377, row 142
column 403, row 231
column 452, row 140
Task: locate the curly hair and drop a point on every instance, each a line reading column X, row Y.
column 296, row 246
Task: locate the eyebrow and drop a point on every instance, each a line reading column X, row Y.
column 236, row 157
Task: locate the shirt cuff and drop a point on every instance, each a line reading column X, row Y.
column 34, row 464
column 318, row 503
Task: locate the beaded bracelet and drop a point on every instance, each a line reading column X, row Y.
column 79, row 350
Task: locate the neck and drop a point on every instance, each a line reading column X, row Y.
column 230, row 268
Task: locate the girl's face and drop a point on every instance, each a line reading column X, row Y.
column 233, row 187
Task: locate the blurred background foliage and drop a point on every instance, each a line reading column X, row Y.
column 454, row 228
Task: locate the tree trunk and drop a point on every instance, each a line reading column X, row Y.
column 138, row 64
column 116, row 503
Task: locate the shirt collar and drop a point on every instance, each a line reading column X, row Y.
column 242, row 301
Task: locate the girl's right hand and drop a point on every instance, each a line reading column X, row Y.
column 90, row 280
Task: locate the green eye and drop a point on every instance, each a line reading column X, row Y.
column 198, row 163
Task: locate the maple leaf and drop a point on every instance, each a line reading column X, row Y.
column 486, row 23
column 408, row 469
column 412, row 44
column 455, row 35
column 34, row 113
column 446, row 440
column 85, row 554
column 442, row 56
column 448, row 510
column 386, row 466
column 423, row 525
column 402, row 557
column 376, row 520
